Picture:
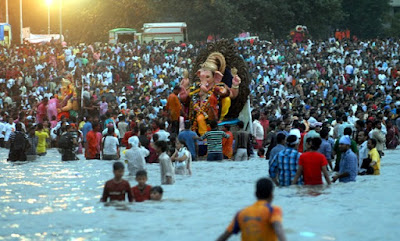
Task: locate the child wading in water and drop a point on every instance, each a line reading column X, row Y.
column 117, row 188
column 156, row 193
column 260, row 221
column 141, row 192
column 182, row 158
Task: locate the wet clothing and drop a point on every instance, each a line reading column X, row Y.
column 255, row 222
column 312, row 163
column 42, row 136
column 15, row 153
column 93, row 140
column 166, row 168
column 117, row 191
column 141, row 195
column 348, row 163
column 285, row 166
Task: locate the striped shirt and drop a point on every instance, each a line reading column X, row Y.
column 285, row 165
column 214, row 141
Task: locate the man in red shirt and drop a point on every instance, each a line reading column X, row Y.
column 141, row 192
column 117, row 188
column 311, row 163
column 93, row 142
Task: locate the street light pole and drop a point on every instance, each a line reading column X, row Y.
column 60, row 21
column 7, row 11
column 48, row 19
column 20, row 21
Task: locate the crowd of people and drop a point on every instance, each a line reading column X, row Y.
column 317, row 106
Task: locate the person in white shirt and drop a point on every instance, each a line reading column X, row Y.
column 2, row 133
column 8, row 129
column 362, row 149
column 162, row 134
column 110, row 146
column 258, row 130
column 135, row 157
column 182, row 158
column 166, row 168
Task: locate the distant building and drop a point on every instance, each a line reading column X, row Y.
column 394, row 7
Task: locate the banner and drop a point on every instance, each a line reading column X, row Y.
column 1, row 32
column 26, row 33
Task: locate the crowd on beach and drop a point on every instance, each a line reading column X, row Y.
column 317, row 106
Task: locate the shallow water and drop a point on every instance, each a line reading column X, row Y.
column 53, row 200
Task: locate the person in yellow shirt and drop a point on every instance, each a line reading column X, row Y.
column 42, row 137
column 374, row 156
column 260, row 221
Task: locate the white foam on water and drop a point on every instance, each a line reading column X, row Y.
column 53, row 200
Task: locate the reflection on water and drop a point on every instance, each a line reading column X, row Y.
column 61, row 202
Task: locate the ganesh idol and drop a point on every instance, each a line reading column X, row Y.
column 212, row 94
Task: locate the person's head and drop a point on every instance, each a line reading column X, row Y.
column 378, row 124
column 265, row 189
column 324, row 133
column 187, row 125
column 18, row 127
column 96, row 126
column 261, row 152
column 118, row 169
column 315, row 143
column 110, row 130
column 155, row 137
column 362, row 136
column 240, row 124
column 32, row 130
column 282, row 125
column 156, row 193
column 177, row 89
column 133, row 141
column 141, row 177
column 213, row 124
column 40, row 126
column 256, row 115
column 180, row 143
column 371, row 144
column 344, row 143
column 226, row 127
column 161, row 146
column 281, row 138
column 347, row 131
column 161, row 125
column 292, row 141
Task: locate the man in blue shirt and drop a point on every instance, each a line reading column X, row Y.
column 284, row 166
column 187, row 135
column 280, row 138
column 348, row 163
column 87, row 127
column 325, row 148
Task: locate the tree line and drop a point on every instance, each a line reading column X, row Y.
column 90, row 20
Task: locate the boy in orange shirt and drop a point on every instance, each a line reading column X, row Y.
column 260, row 221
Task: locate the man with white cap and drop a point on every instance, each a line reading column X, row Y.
column 315, row 128
column 348, row 164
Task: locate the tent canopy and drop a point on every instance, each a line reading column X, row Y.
column 122, row 30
